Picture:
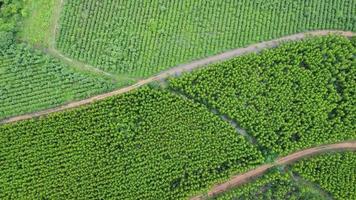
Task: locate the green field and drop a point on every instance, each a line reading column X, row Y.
column 36, row 28
column 334, row 173
column 148, row 144
column 116, row 37
column 292, row 97
column 32, row 81
column 140, row 38
column 156, row 143
column 274, row 185
column 175, row 138
column 326, row 176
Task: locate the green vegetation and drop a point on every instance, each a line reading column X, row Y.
column 295, row 96
column 334, row 172
column 31, row 81
column 38, row 21
column 147, row 144
column 326, row 176
column 272, row 186
column 166, row 144
column 137, row 38
column 156, row 143
column 10, row 13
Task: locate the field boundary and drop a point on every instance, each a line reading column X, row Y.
column 177, row 70
column 306, row 183
column 54, row 24
column 240, row 179
column 53, row 51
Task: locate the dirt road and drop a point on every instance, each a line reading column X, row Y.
column 178, row 70
column 245, row 177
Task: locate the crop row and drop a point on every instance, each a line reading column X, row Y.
column 335, row 173
column 139, row 38
column 167, row 144
column 326, row 176
column 31, row 81
column 148, row 144
column 274, row 185
column 288, row 98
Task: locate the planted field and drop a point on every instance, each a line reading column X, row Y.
column 147, row 144
column 175, row 139
column 326, row 176
column 334, row 173
column 295, row 96
column 31, row 81
column 139, row 38
column 274, row 185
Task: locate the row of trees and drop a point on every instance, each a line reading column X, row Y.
column 31, row 81
column 142, row 38
column 147, row 144
column 334, row 173
column 288, row 98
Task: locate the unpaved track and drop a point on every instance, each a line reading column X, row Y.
column 179, row 69
column 245, row 177
column 78, row 64
column 52, row 50
column 306, row 183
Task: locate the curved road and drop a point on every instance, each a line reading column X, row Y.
column 180, row 69
column 245, row 177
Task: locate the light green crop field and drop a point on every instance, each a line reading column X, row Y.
column 36, row 28
column 175, row 138
column 155, row 143
column 140, row 38
column 32, row 81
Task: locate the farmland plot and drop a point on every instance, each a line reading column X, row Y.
column 32, row 81
column 147, row 144
column 292, row 97
column 139, row 38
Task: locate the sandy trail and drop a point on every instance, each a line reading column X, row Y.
column 245, row 177
column 177, row 70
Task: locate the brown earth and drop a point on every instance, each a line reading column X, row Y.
column 247, row 176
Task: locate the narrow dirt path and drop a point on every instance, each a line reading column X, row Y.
column 177, row 70
column 53, row 51
column 304, row 183
column 77, row 64
column 54, row 23
column 247, row 176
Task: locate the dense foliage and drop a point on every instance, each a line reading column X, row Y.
column 147, row 144
column 334, row 172
column 155, row 144
column 295, row 96
column 10, row 13
column 30, row 81
column 140, row 38
column 271, row 186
